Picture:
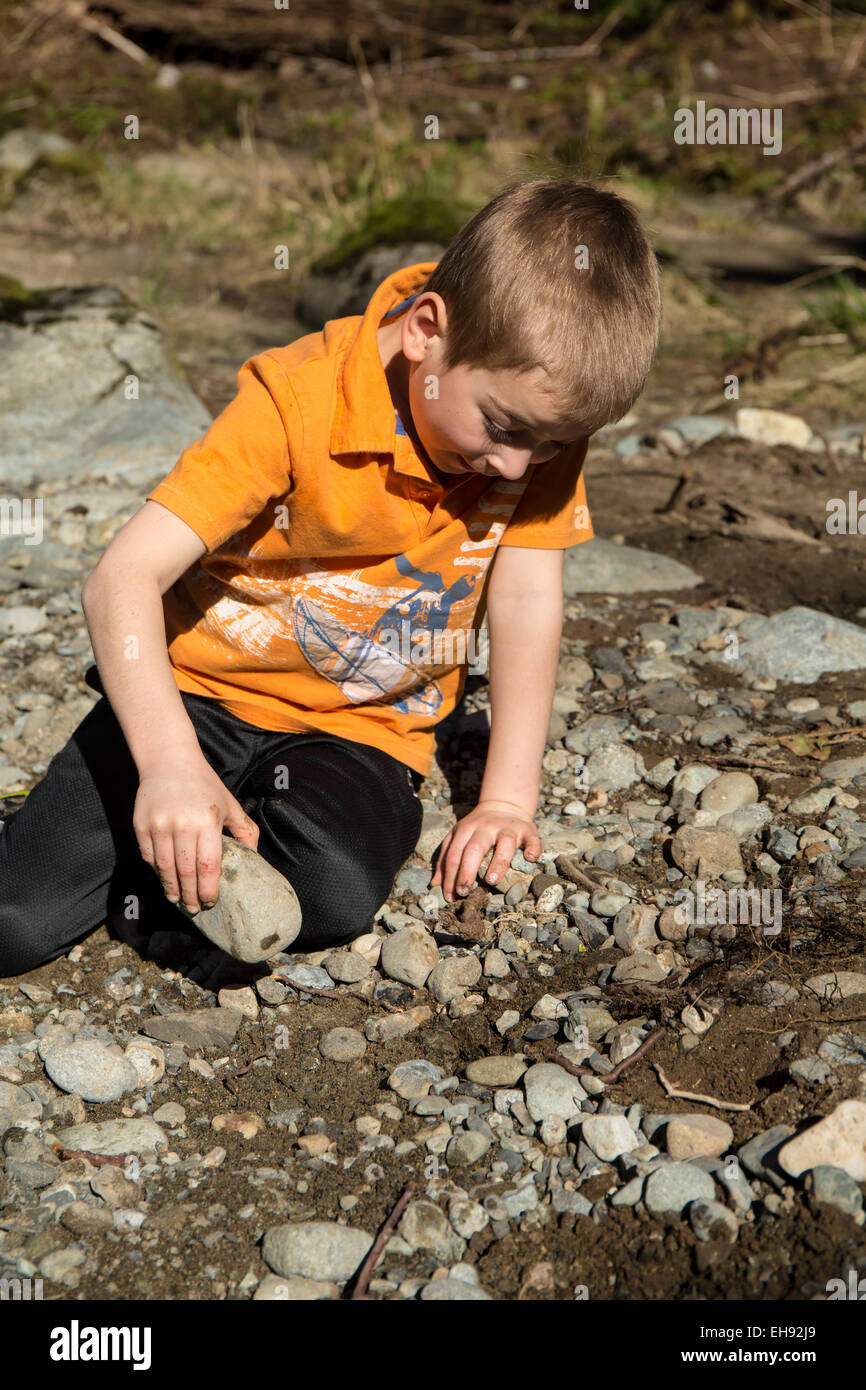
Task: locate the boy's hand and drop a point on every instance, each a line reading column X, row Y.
column 498, row 823
column 180, row 811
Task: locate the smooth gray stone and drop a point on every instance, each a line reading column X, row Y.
column 321, row 1250
column 195, row 1027
column 757, row 1155
column 87, row 341
column 835, row 1187
column 89, row 1070
column 602, row 567
column 671, row 1187
column 801, row 644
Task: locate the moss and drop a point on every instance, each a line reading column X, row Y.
column 838, row 307
column 82, row 165
column 92, row 118
column 413, row 216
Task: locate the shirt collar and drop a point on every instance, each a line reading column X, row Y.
column 364, row 420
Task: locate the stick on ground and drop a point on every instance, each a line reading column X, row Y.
column 360, row 1289
column 693, row 1095
column 608, row 1077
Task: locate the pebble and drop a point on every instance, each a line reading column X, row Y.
column 115, row 1136
column 384, row 1028
column 414, row 1078
column 673, row 1185
column 343, row 1045
column 836, row 1188
column 550, row 1090
column 243, row 999
column 728, row 792
column 603, row 567
column 467, row 1217
column 614, row 767
column 452, row 976
column 294, row 1289
column 837, row 984
column 320, row 1250
column 409, row 956
column 705, row 853
column 242, row 1122
column 465, row 1149
column 634, row 928
column 839, row 1140
column 453, row 1291
column 424, row 1226
column 505, row 1069
column 89, row 1070
column 16, row 1105
column 148, row 1060
column 814, row 1071
column 687, row 1136
column 347, row 967
column 801, row 645
column 711, row 1221
column 506, row 1021
column 609, row 1136
column 198, row 1028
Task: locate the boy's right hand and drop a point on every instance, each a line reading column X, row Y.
column 178, row 820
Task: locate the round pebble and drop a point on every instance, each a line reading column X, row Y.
column 343, row 1045
column 89, row 1070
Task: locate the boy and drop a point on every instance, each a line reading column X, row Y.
column 261, row 627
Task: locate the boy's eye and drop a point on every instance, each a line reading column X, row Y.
column 496, row 432
column 501, row 436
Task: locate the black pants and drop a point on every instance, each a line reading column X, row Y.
column 340, row 832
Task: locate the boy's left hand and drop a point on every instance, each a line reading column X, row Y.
column 491, row 823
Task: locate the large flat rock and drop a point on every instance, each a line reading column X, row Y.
column 67, row 360
column 603, row 567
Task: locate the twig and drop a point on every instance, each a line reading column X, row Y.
column 569, row 870
column 360, row 1289
column 336, row 995
column 676, row 1094
column 855, row 1018
column 737, row 761
column 608, row 1077
column 78, row 12
column 816, row 167
column 679, row 487
column 98, row 1160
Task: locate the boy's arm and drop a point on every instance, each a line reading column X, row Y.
column 524, row 620
column 122, row 603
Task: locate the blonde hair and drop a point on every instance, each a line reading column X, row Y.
column 516, row 298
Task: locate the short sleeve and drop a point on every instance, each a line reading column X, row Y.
column 552, row 513
column 229, row 476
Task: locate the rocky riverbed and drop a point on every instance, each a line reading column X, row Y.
column 174, row 1124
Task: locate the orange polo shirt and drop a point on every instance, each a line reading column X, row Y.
column 344, row 583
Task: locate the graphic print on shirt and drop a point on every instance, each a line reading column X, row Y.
column 376, row 642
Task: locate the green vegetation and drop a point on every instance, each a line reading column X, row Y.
column 838, row 307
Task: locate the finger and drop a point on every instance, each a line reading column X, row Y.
column 440, row 861
column 506, row 843
column 473, row 852
column 208, row 865
column 163, row 863
column 241, row 826
column 185, row 843
column 460, row 838
column 531, row 846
